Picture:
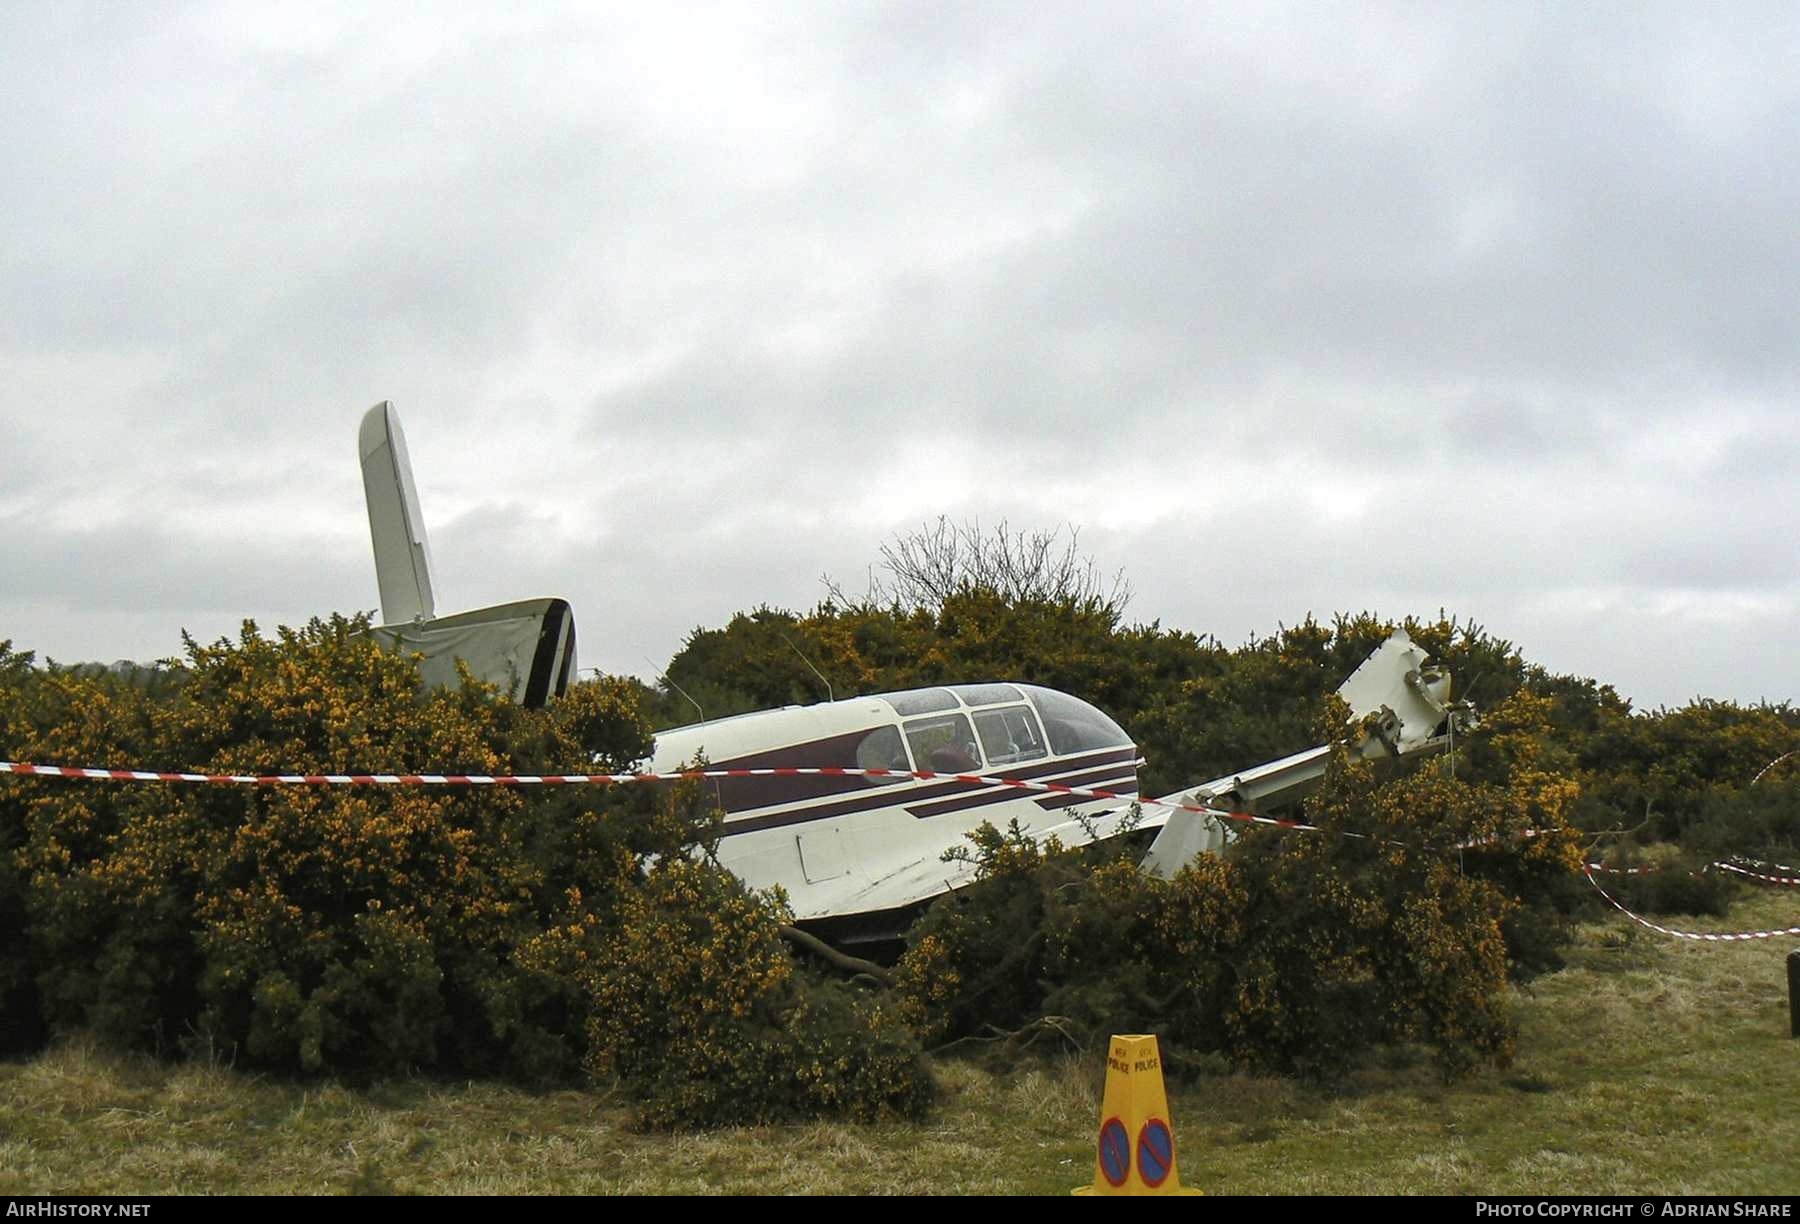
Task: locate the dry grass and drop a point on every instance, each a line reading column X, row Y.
column 1648, row 1066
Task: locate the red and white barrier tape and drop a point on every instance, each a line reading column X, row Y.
column 1738, row 858
column 88, row 773
column 1757, row 875
column 822, row 771
column 26, row 769
column 1721, row 864
column 1772, row 764
column 1704, row 936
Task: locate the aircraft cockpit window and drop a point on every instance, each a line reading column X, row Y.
column 1073, row 725
column 1010, row 735
column 944, row 744
column 924, row 701
column 883, row 748
column 986, row 694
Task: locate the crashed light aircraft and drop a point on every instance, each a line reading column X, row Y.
column 860, row 848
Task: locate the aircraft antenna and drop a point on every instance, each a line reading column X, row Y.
column 1450, row 763
column 664, row 677
column 809, row 663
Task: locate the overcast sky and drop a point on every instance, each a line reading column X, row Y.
column 1292, row 308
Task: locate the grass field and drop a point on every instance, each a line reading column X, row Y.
column 1649, row 1065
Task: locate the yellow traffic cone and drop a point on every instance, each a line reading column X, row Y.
column 1136, row 1150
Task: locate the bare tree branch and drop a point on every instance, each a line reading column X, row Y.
column 942, row 559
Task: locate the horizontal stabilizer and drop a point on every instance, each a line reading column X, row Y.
column 526, row 649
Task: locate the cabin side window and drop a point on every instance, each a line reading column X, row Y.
column 871, row 748
column 1010, row 735
column 944, row 744
column 883, row 748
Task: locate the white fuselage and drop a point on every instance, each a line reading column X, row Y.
column 856, row 845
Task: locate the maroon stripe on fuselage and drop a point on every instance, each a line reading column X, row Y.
column 934, row 790
column 781, row 792
column 1125, row 786
column 747, row 794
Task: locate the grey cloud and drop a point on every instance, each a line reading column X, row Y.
column 147, row 568
column 661, row 299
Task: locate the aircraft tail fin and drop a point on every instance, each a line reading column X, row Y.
column 396, row 527
column 526, row 648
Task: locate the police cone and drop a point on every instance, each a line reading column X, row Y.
column 1135, row 1153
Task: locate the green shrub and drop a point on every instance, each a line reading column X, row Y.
column 696, row 1005
column 21, row 1010
column 373, row 930
column 1759, row 822
column 1668, row 879
column 1696, row 890
column 1293, row 952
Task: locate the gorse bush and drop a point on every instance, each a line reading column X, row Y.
column 21, row 1010
column 309, row 928
column 1058, row 945
column 376, row 930
column 694, row 999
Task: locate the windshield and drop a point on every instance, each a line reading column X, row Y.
column 1072, row 725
